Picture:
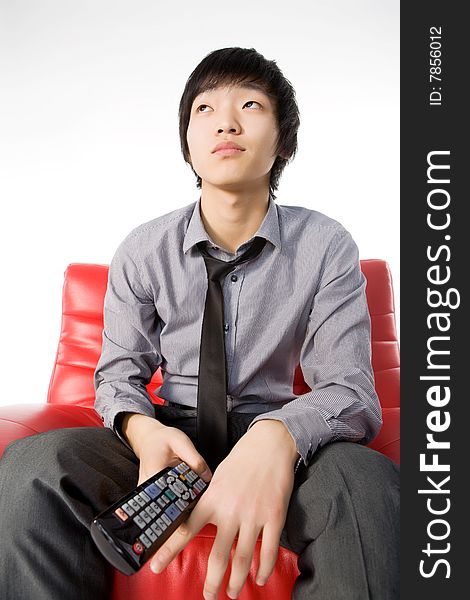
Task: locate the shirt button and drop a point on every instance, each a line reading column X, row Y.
column 234, row 278
column 226, row 327
column 309, row 451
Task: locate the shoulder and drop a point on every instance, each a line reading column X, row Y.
column 171, row 220
column 150, row 234
column 305, row 223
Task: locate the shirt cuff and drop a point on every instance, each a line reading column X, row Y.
column 307, row 427
column 117, row 429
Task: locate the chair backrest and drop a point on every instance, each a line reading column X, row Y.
column 82, row 324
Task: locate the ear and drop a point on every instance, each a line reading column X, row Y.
column 284, row 154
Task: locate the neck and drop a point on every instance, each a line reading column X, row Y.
column 231, row 219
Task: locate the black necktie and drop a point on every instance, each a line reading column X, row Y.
column 212, row 377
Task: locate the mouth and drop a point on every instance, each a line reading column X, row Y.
column 228, row 151
column 225, row 145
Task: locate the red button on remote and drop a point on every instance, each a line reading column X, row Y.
column 138, row 548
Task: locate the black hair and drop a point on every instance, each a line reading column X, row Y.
column 234, row 66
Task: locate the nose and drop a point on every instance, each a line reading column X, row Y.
column 230, row 129
column 228, row 122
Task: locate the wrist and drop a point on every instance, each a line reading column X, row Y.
column 135, row 426
column 288, row 442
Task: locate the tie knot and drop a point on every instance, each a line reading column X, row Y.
column 217, row 268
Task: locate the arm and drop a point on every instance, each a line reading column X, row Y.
column 131, row 341
column 336, row 360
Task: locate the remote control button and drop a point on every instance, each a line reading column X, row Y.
column 162, row 502
column 193, row 494
column 171, row 495
column 178, row 488
column 161, row 523
column 150, row 534
column 151, row 512
column 161, row 483
column 144, row 539
column 182, row 504
column 152, row 490
column 140, row 522
column 175, row 471
column 138, row 548
column 134, row 504
column 145, row 497
column 140, row 501
column 155, row 507
column 130, row 511
column 199, row 485
column 170, row 479
column 191, row 476
column 145, row 516
column 121, row 514
column 166, row 519
column 157, row 531
column 186, row 495
column 173, row 511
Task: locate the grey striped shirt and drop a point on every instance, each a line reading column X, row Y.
column 302, row 300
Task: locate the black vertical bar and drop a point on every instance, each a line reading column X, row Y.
column 434, row 265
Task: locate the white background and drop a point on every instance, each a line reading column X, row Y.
column 89, row 144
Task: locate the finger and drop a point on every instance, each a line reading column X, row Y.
column 179, row 538
column 185, row 449
column 242, row 559
column 268, row 553
column 193, row 460
column 218, row 561
column 154, row 464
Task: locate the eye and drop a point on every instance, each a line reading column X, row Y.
column 197, row 109
column 207, row 106
column 252, row 102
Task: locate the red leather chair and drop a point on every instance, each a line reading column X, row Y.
column 71, row 396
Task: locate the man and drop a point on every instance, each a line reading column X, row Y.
column 292, row 473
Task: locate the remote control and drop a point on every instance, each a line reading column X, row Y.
column 132, row 529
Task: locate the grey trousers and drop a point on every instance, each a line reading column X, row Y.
column 342, row 520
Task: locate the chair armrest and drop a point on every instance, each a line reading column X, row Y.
column 21, row 420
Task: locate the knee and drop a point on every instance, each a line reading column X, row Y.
column 32, row 456
column 355, row 459
column 39, row 447
column 44, row 456
column 360, row 469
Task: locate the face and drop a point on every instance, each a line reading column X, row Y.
column 233, row 114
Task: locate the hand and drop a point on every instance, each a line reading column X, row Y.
column 249, row 492
column 158, row 446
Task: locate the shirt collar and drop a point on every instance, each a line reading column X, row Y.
column 196, row 232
